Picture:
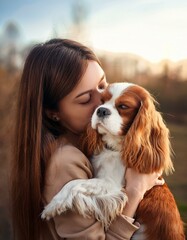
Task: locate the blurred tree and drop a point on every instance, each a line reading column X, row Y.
column 11, row 32
column 79, row 13
column 78, row 28
column 9, row 46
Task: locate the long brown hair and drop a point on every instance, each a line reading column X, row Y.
column 50, row 72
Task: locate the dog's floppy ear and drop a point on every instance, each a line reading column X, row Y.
column 91, row 142
column 146, row 144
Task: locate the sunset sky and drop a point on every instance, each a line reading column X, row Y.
column 153, row 29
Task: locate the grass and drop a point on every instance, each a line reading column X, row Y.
column 177, row 182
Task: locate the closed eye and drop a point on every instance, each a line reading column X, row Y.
column 87, row 99
column 85, row 102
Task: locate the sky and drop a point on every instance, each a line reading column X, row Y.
column 153, row 29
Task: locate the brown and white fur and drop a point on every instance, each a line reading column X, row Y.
column 126, row 131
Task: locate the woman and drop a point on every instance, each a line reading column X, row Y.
column 59, row 90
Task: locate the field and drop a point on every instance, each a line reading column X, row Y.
column 177, row 181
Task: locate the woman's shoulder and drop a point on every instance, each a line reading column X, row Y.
column 70, row 162
column 68, row 154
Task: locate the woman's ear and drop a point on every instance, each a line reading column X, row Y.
column 146, row 146
column 53, row 115
column 91, row 141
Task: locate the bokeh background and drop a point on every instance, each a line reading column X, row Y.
column 141, row 41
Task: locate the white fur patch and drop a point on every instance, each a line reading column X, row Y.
column 108, row 165
column 117, row 89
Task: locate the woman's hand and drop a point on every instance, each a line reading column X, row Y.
column 136, row 186
column 139, row 183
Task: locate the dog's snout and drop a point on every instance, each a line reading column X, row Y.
column 103, row 112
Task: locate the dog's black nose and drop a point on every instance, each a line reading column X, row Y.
column 103, row 112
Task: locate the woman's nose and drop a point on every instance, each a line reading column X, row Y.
column 97, row 101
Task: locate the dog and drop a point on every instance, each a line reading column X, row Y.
column 126, row 131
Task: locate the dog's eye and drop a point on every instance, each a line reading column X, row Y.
column 122, row 106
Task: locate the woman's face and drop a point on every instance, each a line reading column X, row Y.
column 75, row 110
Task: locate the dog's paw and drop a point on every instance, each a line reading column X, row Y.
column 73, row 196
column 55, row 207
column 61, row 202
column 90, row 198
column 109, row 206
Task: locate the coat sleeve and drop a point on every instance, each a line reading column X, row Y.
column 67, row 164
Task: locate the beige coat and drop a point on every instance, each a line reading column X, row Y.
column 66, row 164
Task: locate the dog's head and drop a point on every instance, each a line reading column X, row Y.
column 128, row 121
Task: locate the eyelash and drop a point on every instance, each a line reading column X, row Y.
column 102, row 86
column 86, row 101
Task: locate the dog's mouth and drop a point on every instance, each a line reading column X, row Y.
column 101, row 128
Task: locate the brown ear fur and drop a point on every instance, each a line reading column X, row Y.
column 91, row 142
column 146, row 146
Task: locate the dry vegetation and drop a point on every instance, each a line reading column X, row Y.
column 8, row 86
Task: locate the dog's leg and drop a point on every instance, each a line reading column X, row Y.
column 159, row 212
column 93, row 197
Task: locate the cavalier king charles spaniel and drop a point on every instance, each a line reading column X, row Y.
column 126, row 131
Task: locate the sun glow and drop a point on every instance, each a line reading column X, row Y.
column 154, row 35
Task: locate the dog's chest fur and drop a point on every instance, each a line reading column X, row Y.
column 108, row 165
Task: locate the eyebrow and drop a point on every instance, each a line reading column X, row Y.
column 88, row 91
